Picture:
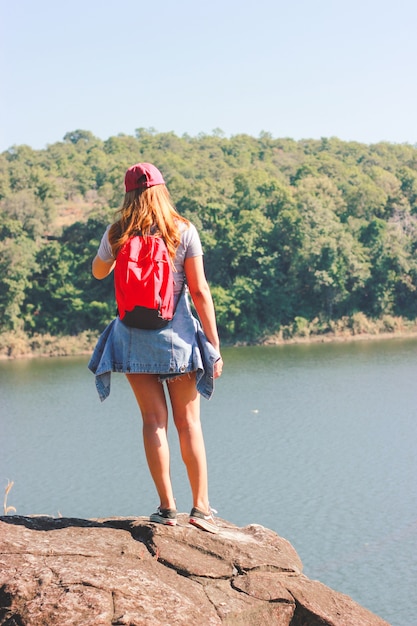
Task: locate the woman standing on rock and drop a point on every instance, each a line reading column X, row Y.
column 183, row 353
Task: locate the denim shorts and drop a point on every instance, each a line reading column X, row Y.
column 176, row 349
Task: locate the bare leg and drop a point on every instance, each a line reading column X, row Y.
column 185, row 401
column 150, row 397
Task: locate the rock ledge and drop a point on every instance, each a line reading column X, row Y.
column 130, row 572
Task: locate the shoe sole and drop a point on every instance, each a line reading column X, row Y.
column 163, row 520
column 204, row 525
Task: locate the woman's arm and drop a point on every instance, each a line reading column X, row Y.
column 100, row 268
column 203, row 302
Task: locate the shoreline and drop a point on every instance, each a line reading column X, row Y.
column 342, row 338
column 78, row 346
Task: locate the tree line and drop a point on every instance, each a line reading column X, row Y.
column 293, row 231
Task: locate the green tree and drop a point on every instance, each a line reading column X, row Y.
column 333, row 265
column 17, row 260
column 393, row 271
column 291, row 230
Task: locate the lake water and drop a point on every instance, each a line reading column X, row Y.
column 317, row 442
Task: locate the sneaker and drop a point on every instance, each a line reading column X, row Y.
column 203, row 520
column 164, row 516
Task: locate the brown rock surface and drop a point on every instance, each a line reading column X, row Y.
column 116, row 572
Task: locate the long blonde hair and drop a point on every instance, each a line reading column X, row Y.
column 150, row 212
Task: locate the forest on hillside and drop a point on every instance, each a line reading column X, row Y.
column 296, row 234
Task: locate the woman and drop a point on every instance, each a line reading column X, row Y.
column 180, row 353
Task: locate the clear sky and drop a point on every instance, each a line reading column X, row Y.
column 293, row 68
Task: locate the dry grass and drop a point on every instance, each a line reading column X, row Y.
column 19, row 344
column 8, row 509
column 352, row 327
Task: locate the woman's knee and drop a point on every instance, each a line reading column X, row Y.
column 187, row 421
column 154, row 419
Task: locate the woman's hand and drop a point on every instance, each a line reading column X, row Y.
column 218, row 368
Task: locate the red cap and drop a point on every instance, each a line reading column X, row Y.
column 136, row 172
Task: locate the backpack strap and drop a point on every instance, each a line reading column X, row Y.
column 184, row 282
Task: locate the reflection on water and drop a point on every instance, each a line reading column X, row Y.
column 317, row 442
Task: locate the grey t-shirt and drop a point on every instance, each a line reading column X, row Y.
column 190, row 246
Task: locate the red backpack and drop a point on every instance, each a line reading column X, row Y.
column 144, row 283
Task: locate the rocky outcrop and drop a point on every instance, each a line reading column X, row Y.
column 114, row 572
